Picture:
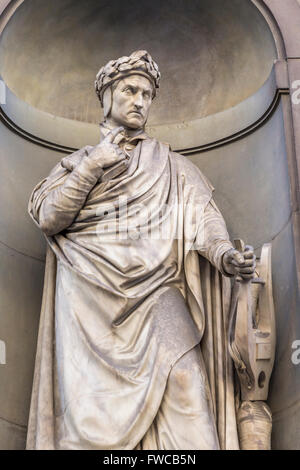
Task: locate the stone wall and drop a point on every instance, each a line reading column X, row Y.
column 238, row 130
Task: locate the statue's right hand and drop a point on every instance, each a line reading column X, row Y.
column 107, row 153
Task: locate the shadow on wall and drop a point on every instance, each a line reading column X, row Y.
column 212, row 54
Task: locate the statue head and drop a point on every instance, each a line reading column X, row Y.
column 126, row 88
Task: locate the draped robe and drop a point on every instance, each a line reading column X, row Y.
column 122, row 304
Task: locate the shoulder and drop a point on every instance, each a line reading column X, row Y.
column 182, row 162
column 192, row 174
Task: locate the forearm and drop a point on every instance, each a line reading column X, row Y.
column 61, row 206
column 213, row 239
column 216, row 252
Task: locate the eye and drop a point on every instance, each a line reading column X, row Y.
column 129, row 90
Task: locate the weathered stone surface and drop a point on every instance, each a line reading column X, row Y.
column 76, row 37
column 22, row 165
column 12, row 436
column 254, row 168
column 21, row 280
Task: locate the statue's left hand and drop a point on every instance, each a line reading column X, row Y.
column 240, row 264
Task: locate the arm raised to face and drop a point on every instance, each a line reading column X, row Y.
column 56, row 201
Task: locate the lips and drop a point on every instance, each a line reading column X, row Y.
column 136, row 112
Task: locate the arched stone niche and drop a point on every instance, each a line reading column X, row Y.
column 204, row 53
column 222, row 102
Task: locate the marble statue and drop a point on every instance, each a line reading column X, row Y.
column 132, row 350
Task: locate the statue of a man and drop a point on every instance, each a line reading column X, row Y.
column 132, row 350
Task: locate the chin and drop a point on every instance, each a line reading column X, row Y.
column 135, row 124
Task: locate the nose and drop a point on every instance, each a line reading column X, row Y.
column 139, row 101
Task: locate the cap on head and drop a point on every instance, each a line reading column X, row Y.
column 138, row 63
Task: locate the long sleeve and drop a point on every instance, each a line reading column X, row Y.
column 212, row 237
column 57, row 200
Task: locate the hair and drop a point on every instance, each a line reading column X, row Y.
column 138, row 63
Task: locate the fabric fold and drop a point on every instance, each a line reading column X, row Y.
column 125, row 298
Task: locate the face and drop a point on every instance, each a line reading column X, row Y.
column 132, row 99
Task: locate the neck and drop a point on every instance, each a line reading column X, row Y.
column 109, row 124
